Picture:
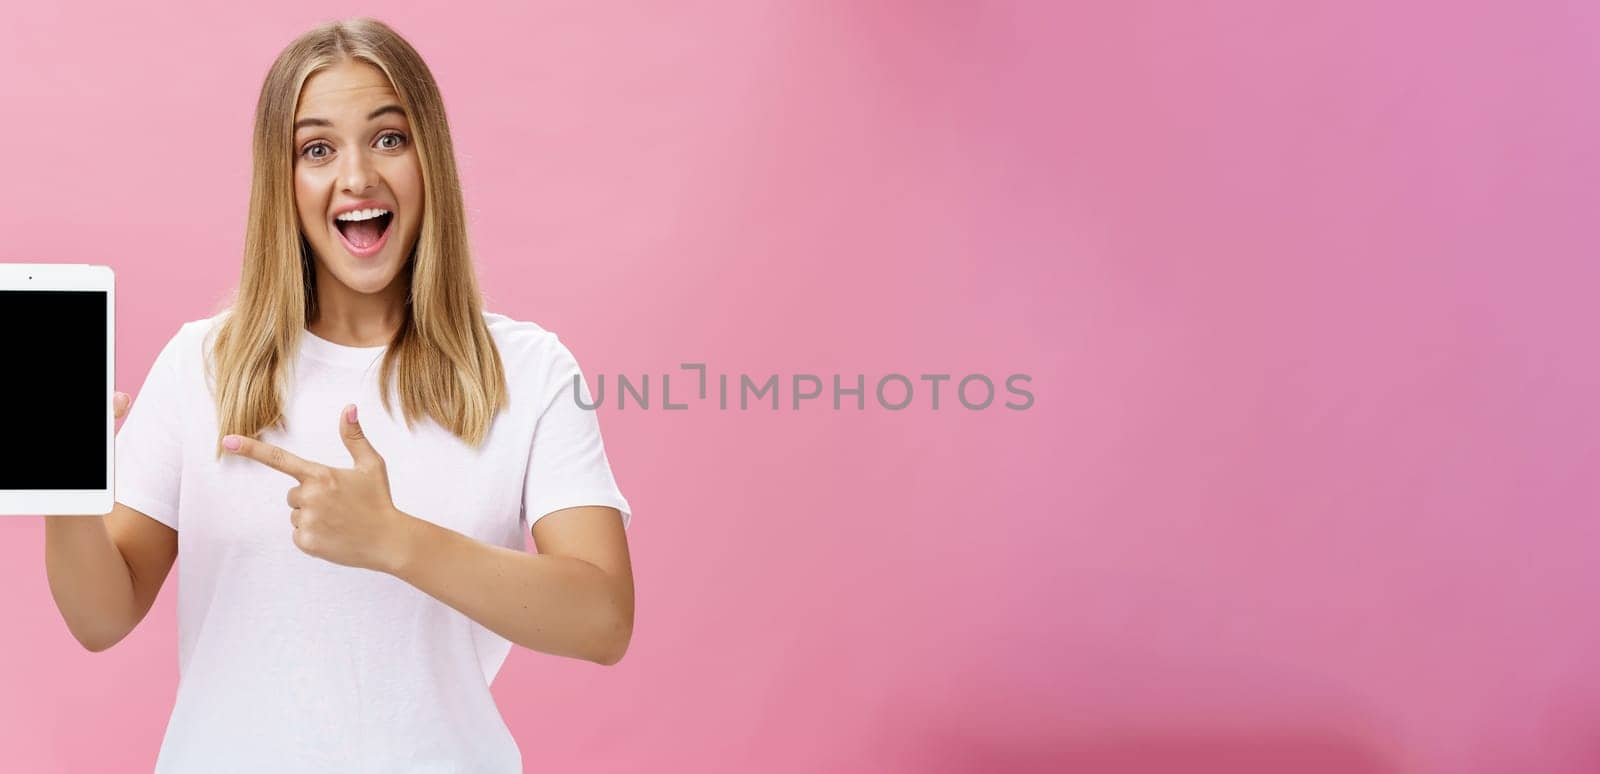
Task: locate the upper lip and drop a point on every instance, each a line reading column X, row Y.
column 366, row 205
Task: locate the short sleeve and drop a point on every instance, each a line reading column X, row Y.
column 567, row 466
column 149, row 455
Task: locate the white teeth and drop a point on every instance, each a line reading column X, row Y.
column 354, row 215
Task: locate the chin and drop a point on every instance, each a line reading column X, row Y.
column 367, row 276
column 367, row 279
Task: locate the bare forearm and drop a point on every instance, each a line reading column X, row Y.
column 89, row 579
column 553, row 604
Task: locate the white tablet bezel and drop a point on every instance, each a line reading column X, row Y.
column 69, row 276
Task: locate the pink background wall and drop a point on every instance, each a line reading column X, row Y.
column 1306, row 292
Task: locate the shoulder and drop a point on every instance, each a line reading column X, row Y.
column 534, row 356
column 205, row 328
column 194, row 338
column 191, row 338
column 525, row 345
column 189, row 350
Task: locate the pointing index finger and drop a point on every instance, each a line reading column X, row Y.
column 272, row 456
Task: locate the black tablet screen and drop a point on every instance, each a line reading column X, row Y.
column 53, row 389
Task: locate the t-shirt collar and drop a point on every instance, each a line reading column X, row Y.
column 318, row 348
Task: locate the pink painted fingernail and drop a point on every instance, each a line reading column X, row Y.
column 230, row 442
column 350, row 416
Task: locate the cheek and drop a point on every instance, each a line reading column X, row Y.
column 408, row 187
column 308, row 198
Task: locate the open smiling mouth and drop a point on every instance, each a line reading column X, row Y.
column 364, row 232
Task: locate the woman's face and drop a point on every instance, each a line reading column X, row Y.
column 357, row 178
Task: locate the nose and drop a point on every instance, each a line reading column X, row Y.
column 356, row 174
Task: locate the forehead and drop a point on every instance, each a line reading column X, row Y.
column 348, row 87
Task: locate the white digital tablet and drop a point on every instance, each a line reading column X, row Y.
column 57, row 353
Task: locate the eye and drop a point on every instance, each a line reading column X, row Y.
column 310, row 151
column 398, row 138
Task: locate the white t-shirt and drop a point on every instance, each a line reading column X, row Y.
column 288, row 662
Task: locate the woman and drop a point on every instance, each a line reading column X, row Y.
column 353, row 580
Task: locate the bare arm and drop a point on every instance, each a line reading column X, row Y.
column 574, row 598
column 105, row 571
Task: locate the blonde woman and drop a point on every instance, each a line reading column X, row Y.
column 347, row 458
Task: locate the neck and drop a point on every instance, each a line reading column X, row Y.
column 355, row 319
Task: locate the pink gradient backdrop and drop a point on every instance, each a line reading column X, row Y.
column 1305, row 291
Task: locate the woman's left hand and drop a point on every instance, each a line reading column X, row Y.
column 343, row 515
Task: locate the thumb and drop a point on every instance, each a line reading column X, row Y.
column 356, row 441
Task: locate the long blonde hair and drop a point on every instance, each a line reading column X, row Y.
column 447, row 364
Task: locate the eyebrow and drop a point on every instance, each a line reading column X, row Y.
column 386, row 109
